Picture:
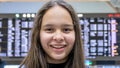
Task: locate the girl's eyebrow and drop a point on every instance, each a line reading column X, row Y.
column 68, row 25
column 47, row 25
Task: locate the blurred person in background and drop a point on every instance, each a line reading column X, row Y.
column 2, row 63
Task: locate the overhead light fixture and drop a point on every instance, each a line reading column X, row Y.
column 80, row 15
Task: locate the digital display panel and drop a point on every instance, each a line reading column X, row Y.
column 100, row 36
column 15, row 36
column 100, row 33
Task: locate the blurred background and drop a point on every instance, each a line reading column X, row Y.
column 100, row 21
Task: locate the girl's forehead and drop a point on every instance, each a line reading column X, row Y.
column 56, row 10
column 57, row 14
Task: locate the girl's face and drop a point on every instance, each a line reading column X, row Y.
column 57, row 34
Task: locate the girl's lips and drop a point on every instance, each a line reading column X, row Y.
column 58, row 48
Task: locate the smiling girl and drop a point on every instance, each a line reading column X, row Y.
column 56, row 38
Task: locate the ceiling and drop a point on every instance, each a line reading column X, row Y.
column 48, row 0
column 115, row 4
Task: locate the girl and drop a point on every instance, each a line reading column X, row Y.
column 56, row 38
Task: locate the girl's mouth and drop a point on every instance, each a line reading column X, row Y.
column 58, row 46
column 58, row 49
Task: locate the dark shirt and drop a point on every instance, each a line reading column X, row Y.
column 62, row 65
column 2, row 64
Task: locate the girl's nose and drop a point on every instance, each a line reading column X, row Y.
column 58, row 37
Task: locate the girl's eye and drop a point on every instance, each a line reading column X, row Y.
column 67, row 30
column 49, row 30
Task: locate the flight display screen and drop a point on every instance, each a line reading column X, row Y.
column 100, row 33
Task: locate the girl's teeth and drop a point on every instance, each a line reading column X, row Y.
column 57, row 46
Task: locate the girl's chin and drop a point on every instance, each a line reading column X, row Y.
column 58, row 58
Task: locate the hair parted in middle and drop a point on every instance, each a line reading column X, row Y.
column 36, row 55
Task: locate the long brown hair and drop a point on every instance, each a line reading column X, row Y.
column 36, row 55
